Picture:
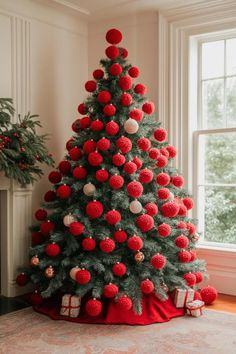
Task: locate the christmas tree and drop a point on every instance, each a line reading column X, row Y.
column 115, row 226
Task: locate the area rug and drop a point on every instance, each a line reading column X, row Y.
column 27, row 332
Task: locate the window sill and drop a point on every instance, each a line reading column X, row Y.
column 218, row 247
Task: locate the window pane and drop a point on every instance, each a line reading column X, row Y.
column 218, row 161
column 220, row 214
column 231, row 56
column 231, row 102
column 212, row 59
column 212, row 104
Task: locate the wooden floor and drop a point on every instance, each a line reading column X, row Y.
column 224, row 303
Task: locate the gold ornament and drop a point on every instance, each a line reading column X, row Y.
column 34, row 260
column 195, row 237
column 68, row 219
column 49, row 272
column 139, row 257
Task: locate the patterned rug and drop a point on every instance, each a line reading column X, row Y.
column 27, row 332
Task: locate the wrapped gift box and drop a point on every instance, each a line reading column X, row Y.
column 70, row 305
column 183, row 296
column 195, row 308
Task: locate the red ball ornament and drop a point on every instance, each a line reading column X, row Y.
column 158, row 261
column 197, row 296
column 116, row 182
column 79, row 172
column 94, row 209
column 113, row 217
column 76, row 126
column 140, row 89
column 169, row 210
column 181, row 225
column 164, row 152
column 199, row 277
column 151, row 209
column 119, row 269
column 160, row 135
column 22, row 279
column 53, row 250
column 104, row 97
column 90, row 86
column 184, row 256
column 47, row 227
column 145, row 176
column 83, row 276
column 95, row 158
column 144, row 144
column 163, row 179
column 182, row 210
column 110, row 290
column 154, row 153
column 191, row 228
column 209, row 294
column 76, row 228
column 37, row 238
column 75, row 153
column 40, row 214
column 69, row 144
column 54, row 177
column 98, row 74
column 136, row 114
column 115, row 69
column 107, row 245
column 50, row 196
column 163, row 193
column 135, row 243
column 88, row 244
column 103, row 144
column 145, row 222
column 190, row 279
column 89, row 146
column 112, row 52
column 93, row 307
column 164, row 230
column 36, row 298
column 124, row 303
column 109, row 110
column 188, row 202
column 64, row 191
column 134, row 189
column 172, row 151
column 120, row 236
column 193, row 255
column 82, row 109
column 130, row 167
column 161, row 161
column 134, row 71
column 147, row 286
column 177, row 181
column 113, row 36
column 126, row 100
column 125, row 83
column 137, row 162
column 182, row 241
column 85, row 122
column 148, row 107
column 124, row 52
column 97, row 125
column 112, row 128
column 102, row 175
column 64, row 167
column 124, row 144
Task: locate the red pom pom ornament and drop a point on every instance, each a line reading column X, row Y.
column 148, row 107
column 190, row 279
column 140, row 89
column 160, row 135
column 126, row 100
column 182, row 241
column 124, row 144
column 163, row 179
column 102, row 175
column 124, row 303
column 53, row 250
column 107, row 245
column 147, row 286
column 116, row 182
column 64, row 191
column 41, row 214
column 119, row 269
column 130, row 167
column 47, row 227
column 97, row 125
column 22, row 279
column 110, row 290
column 144, row 144
column 161, row 161
column 79, row 172
column 115, row 69
column 98, row 74
column 163, row 193
column 64, row 167
column 158, row 261
column 83, row 276
column 109, row 110
column 151, row 209
column 54, row 177
column 125, row 83
column 113, row 36
column 209, row 294
column 134, row 189
column 113, row 217
column 89, row 146
column 88, row 244
column 112, row 52
column 135, row 243
column 50, row 196
column 120, row 236
column 145, row 222
column 184, row 256
column 134, row 71
column 145, row 176
column 75, row 153
column 94, row 209
column 93, row 307
column 76, row 228
column 136, row 114
column 104, row 97
column 164, row 230
column 90, row 86
column 95, row 158
column 112, row 128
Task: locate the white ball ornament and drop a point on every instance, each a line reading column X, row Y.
column 171, row 197
column 73, row 272
column 89, row 189
column 131, row 126
column 135, row 207
column 68, row 219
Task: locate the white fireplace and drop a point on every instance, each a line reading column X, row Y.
column 15, row 218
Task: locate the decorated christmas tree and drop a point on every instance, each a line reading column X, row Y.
column 114, row 229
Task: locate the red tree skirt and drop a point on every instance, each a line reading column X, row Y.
column 154, row 311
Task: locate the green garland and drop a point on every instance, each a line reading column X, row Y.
column 21, row 149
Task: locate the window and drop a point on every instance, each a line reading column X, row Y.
column 215, row 140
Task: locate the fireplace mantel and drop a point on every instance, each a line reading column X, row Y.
column 16, row 217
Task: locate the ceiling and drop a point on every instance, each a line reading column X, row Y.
column 99, row 9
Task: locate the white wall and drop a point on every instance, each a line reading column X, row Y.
column 140, row 38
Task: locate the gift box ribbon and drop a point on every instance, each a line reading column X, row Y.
column 70, row 307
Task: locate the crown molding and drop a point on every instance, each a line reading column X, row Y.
column 71, row 6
